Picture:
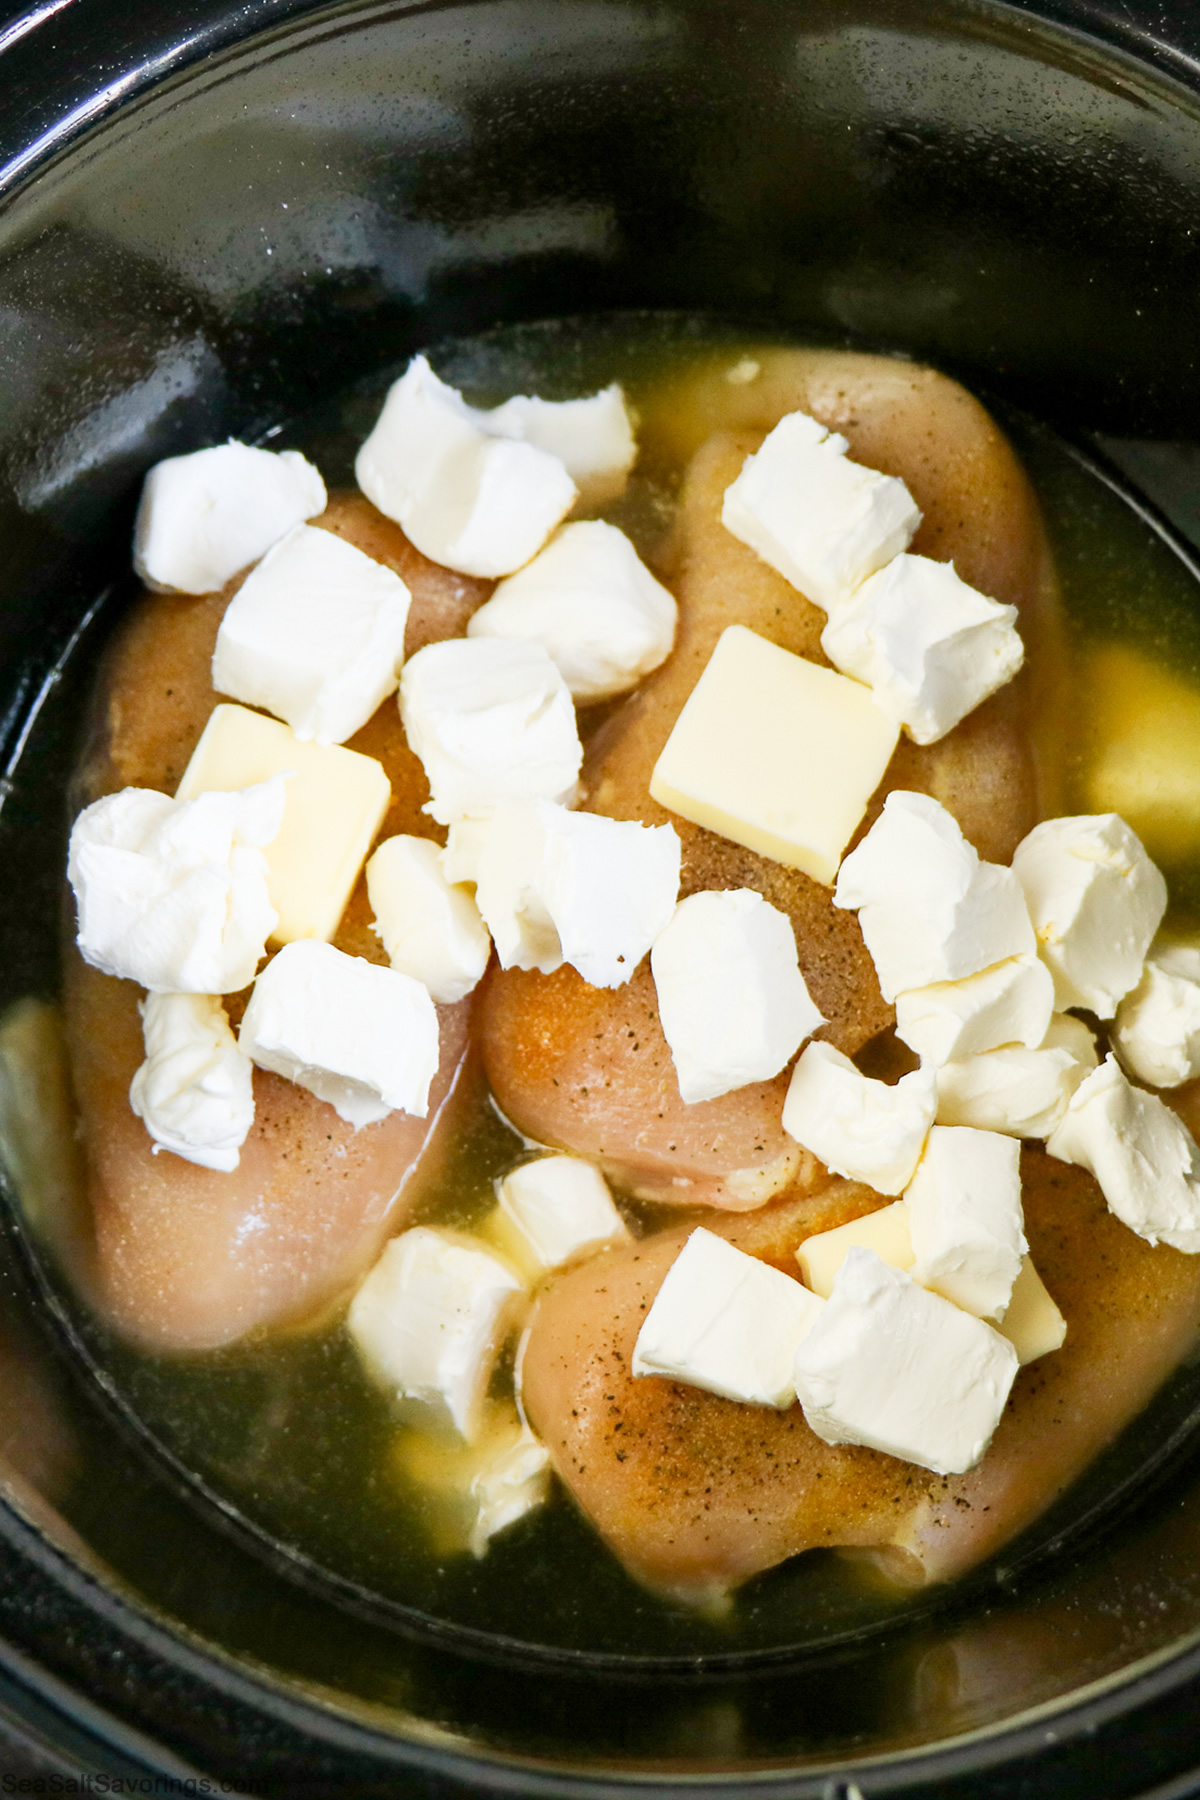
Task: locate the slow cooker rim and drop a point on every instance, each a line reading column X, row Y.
column 1057, row 1723
column 62, row 131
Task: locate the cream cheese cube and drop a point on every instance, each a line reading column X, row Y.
column 1032, row 1323
column 929, row 647
column 1022, row 1092
column 195, row 1091
column 885, row 1231
column 173, row 894
column 204, row 516
column 474, row 1491
column 1141, row 1153
column 862, row 1129
column 732, row 1001
column 775, row 753
column 428, row 1322
column 472, row 501
column 335, row 804
column 727, row 1323
column 490, row 719
column 362, row 1038
column 554, row 1210
column 929, row 909
column 1096, row 901
column 513, row 1480
column 1009, row 1003
column 592, row 603
column 315, row 635
column 901, row 1370
column 555, row 886
column 824, row 522
column 965, row 1219
column 1157, row 1028
column 593, row 437
column 431, row 928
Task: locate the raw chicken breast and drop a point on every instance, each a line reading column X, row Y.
column 695, row 1494
column 590, row 1071
column 187, row 1258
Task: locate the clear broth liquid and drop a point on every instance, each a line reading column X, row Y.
column 286, row 1432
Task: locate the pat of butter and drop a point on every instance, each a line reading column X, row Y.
column 775, row 753
column 336, row 800
column 1033, row 1324
column 885, row 1232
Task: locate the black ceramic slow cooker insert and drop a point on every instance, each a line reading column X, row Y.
column 213, row 218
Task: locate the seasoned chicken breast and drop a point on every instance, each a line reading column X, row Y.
column 187, row 1258
column 695, row 1494
column 588, row 1069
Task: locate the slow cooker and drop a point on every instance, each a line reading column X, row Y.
column 215, row 216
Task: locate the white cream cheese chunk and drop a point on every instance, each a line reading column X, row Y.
column 859, row 1128
column 775, row 753
column 1157, row 1028
column 513, row 1480
column 315, row 635
column 173, row 894
column 727, row 1323
column 1141, row 1153
column 555, row 886
column 473, row 501
column 429, row 1319
column 593, row 437
column 1016, row 1090
column 592, row 603
column 824, row 522
column 195, row 1091
column 1009, row 1003
column 1032, row 1323
column 889, row 1365
column 929, row 909
column 733, row 1004
column 336, row 799
column 1096, row 901
column 431, row 928
column 478, row 1489
column 929, row 647
column 361, row 1037
column 965, row 1219
column 204, row 516
column 553, row 1210
column 490, row 718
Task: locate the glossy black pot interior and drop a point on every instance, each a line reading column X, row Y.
column 214, row 218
